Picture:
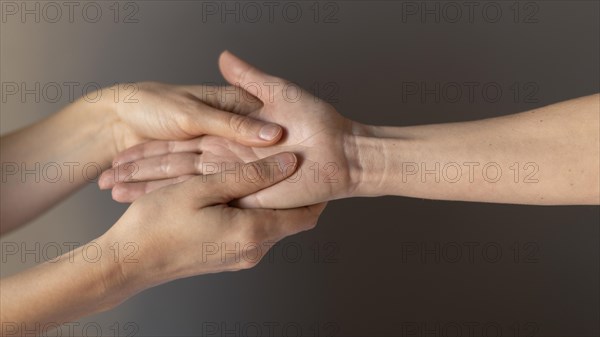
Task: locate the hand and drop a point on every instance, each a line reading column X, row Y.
column 323, row 139
column 163, row 111
column 188, row 229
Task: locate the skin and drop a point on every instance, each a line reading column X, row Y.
column 91, row 134
column 546, row 156
column 163, row 229
column 314, row 131
column 176, row 210
column 171, row 231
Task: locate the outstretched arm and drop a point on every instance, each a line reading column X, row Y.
column 546, row 156
column 45, row 162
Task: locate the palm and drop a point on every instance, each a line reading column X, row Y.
column 315, row 133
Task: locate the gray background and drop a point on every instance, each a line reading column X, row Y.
column 353, row 276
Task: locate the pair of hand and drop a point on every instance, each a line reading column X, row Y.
column 198, row 159
column 313, row 129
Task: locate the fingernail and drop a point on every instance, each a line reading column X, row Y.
column 269, row 132
column 286, row 161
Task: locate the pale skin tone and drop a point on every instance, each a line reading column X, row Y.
column 165, row 228
column 546, row 156
column 183, row 230
column 91, row 134
column 178, row 209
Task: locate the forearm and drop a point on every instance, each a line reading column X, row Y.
column 545, row 156
column 82, row 282
column 45, row 162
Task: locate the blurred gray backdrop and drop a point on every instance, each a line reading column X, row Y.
column 387, row 266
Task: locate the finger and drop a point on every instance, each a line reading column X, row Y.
column 228, row 98
column 110, row 177
column 265, row 87
column 292, row 221
column 243, row 180
column 166, row 166
column 239, row 128
column 279, row 197
column 129, row 192
column 274, row 225
column 157, row 148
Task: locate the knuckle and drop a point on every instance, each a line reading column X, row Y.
column 171, row 146
column 253, row 172
column 120, row 193
column 165, row 164
column 312, row 224
column 313, row 220
column 239, row 124
column 198, row 163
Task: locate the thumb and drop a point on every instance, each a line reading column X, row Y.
column 239, row 73
column 242, row 180
column 239, row 128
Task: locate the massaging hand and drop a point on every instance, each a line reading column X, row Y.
column 189, row 229
column 314, row 130
column 152, row 110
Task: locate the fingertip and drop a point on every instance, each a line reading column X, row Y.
column 224, row 54
column 247, row 130
column 230, row 66
column 270, row 133
column 104, row 181
column 286, row 162
column 227, row 56
column 116, row 193
column 222, row 58
column 119, row 193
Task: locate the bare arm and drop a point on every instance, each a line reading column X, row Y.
column 45, row 162
column 546, row 156
column 73, row 285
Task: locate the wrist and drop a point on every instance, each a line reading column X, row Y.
column 139, row 262
column 366, row 160
column 120, row 278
